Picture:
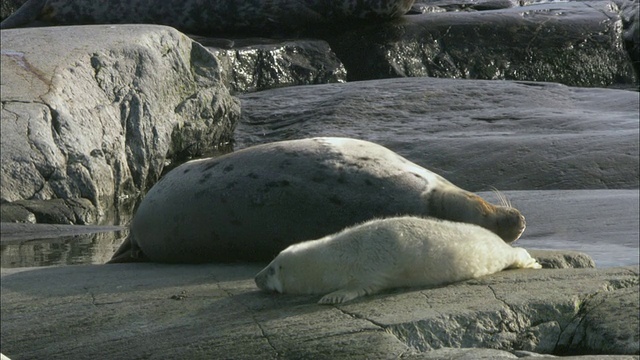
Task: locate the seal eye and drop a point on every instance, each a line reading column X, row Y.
column 271, row 271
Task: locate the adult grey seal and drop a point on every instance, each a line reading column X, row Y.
column 251, row 204
column 390, row 253
column 206, row 17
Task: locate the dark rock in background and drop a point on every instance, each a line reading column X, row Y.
column 630, row 14
column 579, row 43
column 573, row 43
column 8, row 7
column 217, row 17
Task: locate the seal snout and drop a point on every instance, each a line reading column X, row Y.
column 510, row 224
column 267, row 280
column 522, row 227
column 261, row 280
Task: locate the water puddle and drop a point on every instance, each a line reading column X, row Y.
column 34, row 245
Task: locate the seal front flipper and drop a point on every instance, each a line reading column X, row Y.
column 347, row 294
column 25, row 15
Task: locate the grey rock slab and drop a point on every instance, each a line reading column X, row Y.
column 256, row 64
column 574, row 43
column 212, row 311
column 613, row 335
column 15, row 213
column 96, row 112
column 518, row 310
column 58, row 211
column 562, row 259
column 463, row 354
column 604, row 224
column 477, row 134
column 493, row 354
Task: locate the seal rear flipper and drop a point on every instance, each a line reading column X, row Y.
column 128, row 252
column 524, row 260
column 25, row 15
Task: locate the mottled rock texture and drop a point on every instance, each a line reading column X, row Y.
column 96, row 112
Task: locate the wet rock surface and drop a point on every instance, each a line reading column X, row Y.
column 28, row 245
column 601, row 223
column 256, row 64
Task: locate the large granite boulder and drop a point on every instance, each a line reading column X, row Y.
column 127, row 311
column 574, row 43
column 477, row 134
column 96, row 112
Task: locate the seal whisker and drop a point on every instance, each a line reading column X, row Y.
column 502, row 199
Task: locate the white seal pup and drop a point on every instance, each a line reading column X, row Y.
column 206, row 17
column 390, row 253
column 251, row 204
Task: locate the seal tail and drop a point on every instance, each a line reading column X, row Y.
column 524, row 260
column 25, row 15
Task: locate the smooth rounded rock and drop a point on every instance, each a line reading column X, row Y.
column 478, row 134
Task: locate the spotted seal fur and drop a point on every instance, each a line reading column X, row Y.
column 251, row 204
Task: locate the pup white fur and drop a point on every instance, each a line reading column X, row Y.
column 390, row 253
